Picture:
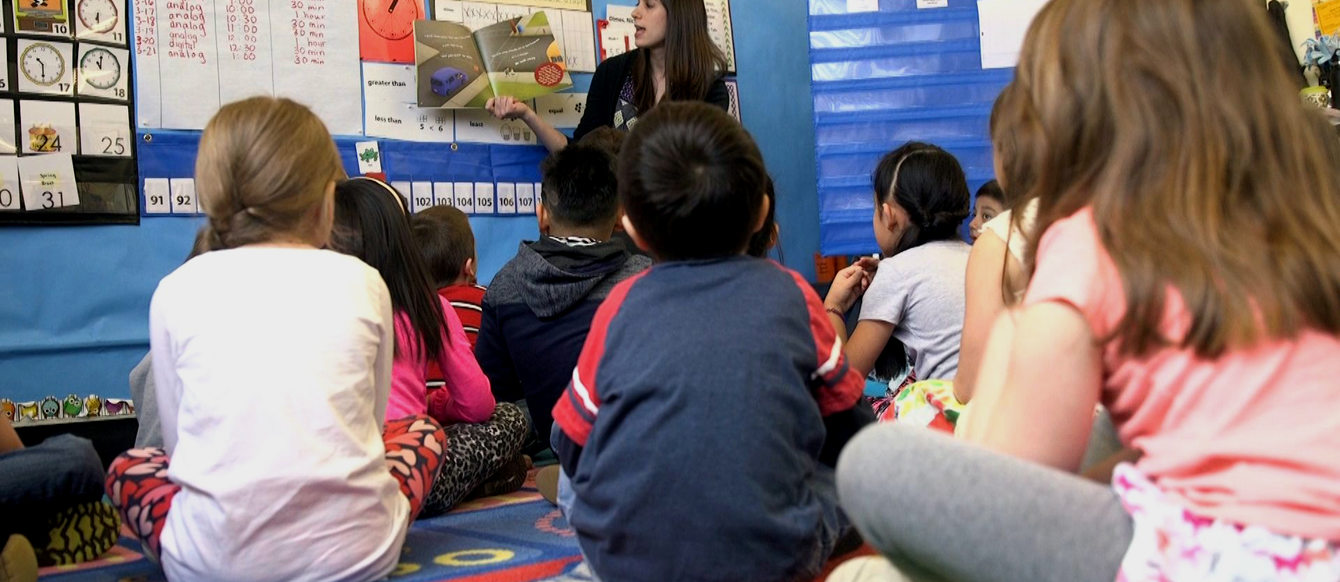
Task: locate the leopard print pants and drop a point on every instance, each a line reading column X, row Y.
column 474, row 453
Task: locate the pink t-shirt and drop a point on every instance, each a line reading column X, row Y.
column 1252, row 437
column 466, row 397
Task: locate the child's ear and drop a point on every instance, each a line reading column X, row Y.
column 470, row 269
column 891, row 217
column 762, row 215
column 632, row 233
column 543, row 216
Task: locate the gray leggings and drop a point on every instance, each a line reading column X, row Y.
column 937, row 506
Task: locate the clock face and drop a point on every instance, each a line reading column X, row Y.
column 42, row 64
column 98, row 15
column 100, row 68
column 391, row 19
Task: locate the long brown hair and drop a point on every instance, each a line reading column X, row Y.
column 692, row 62
column 1177, row 122
column 262, row 170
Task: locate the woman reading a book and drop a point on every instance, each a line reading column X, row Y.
column 675, row 60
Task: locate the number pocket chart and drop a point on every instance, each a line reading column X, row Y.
column 67, row 148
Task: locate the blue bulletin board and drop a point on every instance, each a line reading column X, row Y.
column 886, row 77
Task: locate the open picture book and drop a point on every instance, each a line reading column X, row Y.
column 457, row 68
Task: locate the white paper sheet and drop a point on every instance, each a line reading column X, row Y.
column 506, row 198
column 188, row 63
column 525, row 198
column 148, row 92
column 246, row 68
column 1003, row 24
column 156, row 193
column 924, row 4
column 561, row 110
column 617, row 37
column 8, row 127
column 100, row 20
column 720, row 29
column 578, row 39
column 103, row 72
column 465, row 197
column 4, row 71
column 48, row 181
column 316, row 60
column 369, row 155
column 422, row 196
column 47, row 127
column 10, row 195
column 46, row 66
column 478, row 126
column 484, row 200
column 104, row 130
column 444, row 194
column 856, row 6
column 183, row 196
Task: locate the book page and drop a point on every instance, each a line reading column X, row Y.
column 450, row 69
column 522, row 57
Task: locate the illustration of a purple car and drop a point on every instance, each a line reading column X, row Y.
column 447, row 81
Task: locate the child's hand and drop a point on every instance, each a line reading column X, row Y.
column 507, row 108
column 850, row 283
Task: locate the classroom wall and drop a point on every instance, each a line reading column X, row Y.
column 74, row 301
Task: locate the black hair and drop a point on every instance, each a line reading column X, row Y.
column 763, row 240
column 991, row 189
column 691, row 181
column 445, row 241
column 579, row 187
column 931, row 188
column 370, row 224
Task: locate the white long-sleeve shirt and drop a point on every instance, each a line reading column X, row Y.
column 273, row 367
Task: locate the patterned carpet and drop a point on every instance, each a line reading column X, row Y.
column 515, row 538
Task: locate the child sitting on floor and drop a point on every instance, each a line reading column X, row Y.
column 538, row 309
column 1187, row 278
column 990, row 204
column 482, row 438
column 711, row 390
column 447, row 244
column 51, row 503
column 915, row 295
column 272, row 366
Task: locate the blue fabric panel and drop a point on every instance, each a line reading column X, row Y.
column 884, row 78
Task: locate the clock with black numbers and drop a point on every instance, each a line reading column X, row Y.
column 391, row 19
column 42, row 64
column 100, row 68
column 97, row 15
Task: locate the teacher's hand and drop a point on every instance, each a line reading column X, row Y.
column 507, row 108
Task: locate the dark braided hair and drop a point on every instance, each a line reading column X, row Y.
column 929, row 184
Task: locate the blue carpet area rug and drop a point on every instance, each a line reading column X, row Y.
column 518, row 537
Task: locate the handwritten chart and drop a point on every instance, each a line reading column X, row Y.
column 196, row 55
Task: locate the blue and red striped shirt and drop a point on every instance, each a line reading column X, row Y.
column 697, row 413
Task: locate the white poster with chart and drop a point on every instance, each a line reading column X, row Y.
column 720, row 28
column 9, row 183
column 195, row 55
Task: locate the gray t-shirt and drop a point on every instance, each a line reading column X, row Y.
column 920, row 291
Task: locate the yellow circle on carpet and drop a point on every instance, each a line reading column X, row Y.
column 405, row 569
column 474, row 557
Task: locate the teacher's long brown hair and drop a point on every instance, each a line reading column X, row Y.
column 692, row 62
